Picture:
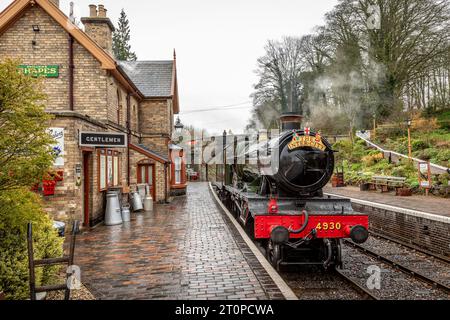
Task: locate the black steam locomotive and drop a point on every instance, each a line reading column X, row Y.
column 276, row 193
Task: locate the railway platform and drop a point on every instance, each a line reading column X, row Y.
column 184, row 250
column 419, row 221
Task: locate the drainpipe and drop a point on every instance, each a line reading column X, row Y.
column 166, row 196
column 129, row 137
column 71, row 67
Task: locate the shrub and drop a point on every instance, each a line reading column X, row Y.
column 418, row 145
column 372, row 158
column 17, row 209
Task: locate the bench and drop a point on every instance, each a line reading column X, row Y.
column 384, row 183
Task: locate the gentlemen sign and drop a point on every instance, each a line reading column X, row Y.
column 103, row 140
column 51, row 71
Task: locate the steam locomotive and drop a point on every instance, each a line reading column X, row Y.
column 277, row 195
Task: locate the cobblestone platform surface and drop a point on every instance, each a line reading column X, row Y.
column 434, row 205
column 185, row 250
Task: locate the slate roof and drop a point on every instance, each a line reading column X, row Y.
column 152, row 78
column 157, row 155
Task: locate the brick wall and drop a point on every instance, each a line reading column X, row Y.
column 156, row 123
column 52, row 48
column 425, row 233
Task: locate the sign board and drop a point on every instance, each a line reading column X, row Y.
column 50, row 71
column 425, row 175
column 103, row 140
column 58, row 147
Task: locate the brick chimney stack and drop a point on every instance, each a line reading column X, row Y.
column 55, row 2
column 99, row 27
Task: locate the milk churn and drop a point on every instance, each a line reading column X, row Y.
column 126, row 217
column 141, row 188
column 136, row 201
column 148, row 203
column 113, row 215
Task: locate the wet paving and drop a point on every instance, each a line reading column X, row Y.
column 184, row 250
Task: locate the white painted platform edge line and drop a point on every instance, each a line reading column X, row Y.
column 416, row 213
column 281, row 284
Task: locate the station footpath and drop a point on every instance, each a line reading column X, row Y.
column 419, row 221
column 185, row 250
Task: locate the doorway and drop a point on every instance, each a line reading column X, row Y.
column 86, row 188
column 146, row 174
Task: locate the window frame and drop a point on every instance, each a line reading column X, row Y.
column 115, row 177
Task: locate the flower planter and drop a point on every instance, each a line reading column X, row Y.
column 404, row 192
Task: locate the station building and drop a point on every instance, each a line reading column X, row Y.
column 113, row 120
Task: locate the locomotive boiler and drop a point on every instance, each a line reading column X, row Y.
column 277, row 194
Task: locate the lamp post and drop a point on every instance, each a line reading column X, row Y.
column 409, row 123
column 374, row 126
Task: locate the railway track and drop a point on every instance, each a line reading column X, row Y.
column 365, row 293
column 425, row 268
column 404, row 274
column 314, row 283
column 410, row 246
column 398, row 280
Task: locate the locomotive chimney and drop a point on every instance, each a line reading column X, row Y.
column 290, row 121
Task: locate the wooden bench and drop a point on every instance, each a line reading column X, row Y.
column 384, row 183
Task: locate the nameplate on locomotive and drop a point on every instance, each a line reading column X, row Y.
column 299, row 141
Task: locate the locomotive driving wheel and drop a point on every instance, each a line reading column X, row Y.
column 273, row 254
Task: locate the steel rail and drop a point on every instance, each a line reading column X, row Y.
column 411, row 246
column 400, row 267
column 357, row 286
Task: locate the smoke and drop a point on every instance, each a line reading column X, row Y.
column 343, row 99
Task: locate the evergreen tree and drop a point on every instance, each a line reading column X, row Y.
column 121, row 39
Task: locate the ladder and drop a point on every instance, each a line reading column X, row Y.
column 32, row 264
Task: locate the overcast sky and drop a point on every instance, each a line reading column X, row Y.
column 217, row 44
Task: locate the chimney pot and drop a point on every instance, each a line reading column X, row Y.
column 101, row 11
column 92, row 10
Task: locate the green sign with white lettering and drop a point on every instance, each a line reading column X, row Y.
column 51, row 71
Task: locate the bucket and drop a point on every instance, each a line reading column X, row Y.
column 113, row 215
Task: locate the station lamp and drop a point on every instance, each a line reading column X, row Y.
column 179, row 126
